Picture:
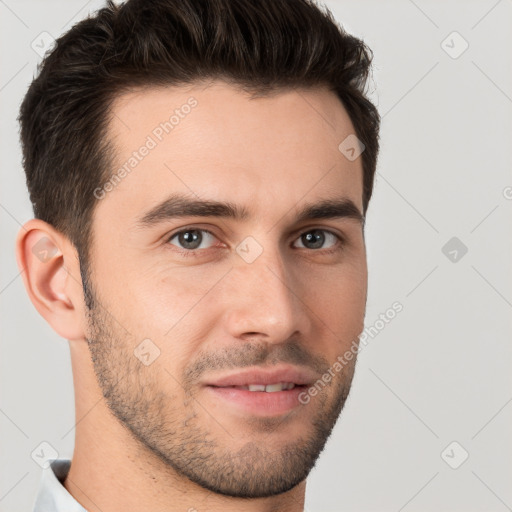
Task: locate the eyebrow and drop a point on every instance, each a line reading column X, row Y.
column 177, row 206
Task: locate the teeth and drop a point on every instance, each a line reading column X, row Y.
column 256, row 387
column 275, row 387
column 270, row 388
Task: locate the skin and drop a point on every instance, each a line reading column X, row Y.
column 151, row 437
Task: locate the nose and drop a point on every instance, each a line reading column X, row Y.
column 264, row 300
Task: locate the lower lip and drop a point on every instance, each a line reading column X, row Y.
column 260, row 403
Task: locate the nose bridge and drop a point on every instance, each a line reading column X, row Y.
column 263, row 300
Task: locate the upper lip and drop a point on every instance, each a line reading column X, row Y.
column 294, row 374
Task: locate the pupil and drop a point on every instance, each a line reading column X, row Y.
column 316, row 237
column 189, row 239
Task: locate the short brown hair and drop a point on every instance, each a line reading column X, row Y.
column 261, row 45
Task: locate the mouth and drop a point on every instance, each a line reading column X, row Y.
column 260, row 391
column 268, row 388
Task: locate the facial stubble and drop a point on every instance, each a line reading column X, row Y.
column 170, row 424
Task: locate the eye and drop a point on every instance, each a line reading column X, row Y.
column 315, row 239
column 191, row 239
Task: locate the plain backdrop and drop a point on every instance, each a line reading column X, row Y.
column 427, row 425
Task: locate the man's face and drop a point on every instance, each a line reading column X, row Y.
column 175, row 312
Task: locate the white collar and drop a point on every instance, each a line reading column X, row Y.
column 52, row 495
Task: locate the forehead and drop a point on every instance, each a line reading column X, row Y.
column 267, row 153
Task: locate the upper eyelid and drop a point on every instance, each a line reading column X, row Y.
column 184, row 230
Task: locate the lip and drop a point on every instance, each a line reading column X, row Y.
column 261, row 403
column 257, row 403
column 296, row 375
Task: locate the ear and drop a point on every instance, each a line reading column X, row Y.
column 51, row 274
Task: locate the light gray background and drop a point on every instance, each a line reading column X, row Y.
column 441, row 370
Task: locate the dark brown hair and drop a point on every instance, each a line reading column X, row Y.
column 260, row 45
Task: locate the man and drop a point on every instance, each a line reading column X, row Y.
column 199, row 173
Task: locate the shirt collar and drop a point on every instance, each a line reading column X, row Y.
column 52, row 495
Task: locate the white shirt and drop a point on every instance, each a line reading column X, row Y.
column 52, row 496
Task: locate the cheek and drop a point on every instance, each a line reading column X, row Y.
column 174, row 309
column 337, row 289
column 160, row 297
column 338, row 303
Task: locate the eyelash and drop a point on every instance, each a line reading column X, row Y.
column 196, row 252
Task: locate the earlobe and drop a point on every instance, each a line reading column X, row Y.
column 49, row 270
